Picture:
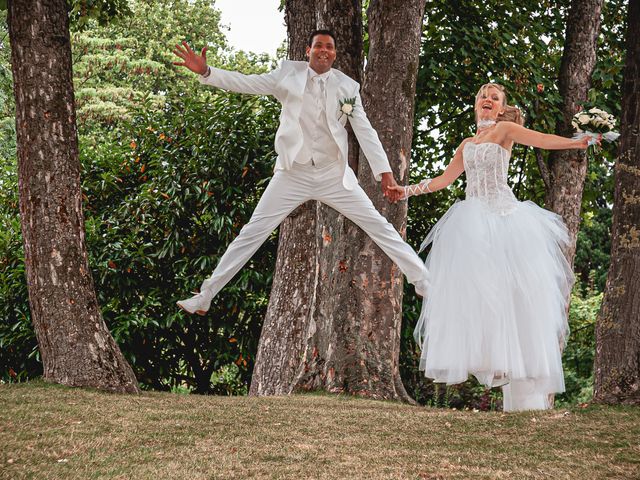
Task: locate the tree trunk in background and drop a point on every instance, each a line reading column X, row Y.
column 617, row 362
column 371, row 304
column 75, row 344
column 322, row 363
column 568, row 168
column 310, row 239
column 293, row 291
column 334, row 316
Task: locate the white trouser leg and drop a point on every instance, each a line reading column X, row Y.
column 357, row 207
column 285, row 192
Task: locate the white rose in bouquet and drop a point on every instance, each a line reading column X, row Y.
column 596, row 124
column 584, row 119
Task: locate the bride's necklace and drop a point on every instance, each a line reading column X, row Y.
column 482, row 124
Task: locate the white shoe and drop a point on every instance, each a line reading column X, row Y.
column 500, row 379
column 199, row 304
column 421, row 287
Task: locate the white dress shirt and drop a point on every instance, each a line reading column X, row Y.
column 319, row 146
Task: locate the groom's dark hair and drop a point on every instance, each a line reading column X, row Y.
column 322, row 32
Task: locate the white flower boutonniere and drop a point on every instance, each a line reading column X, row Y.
column 347, row 106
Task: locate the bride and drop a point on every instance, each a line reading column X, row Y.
column 497, row 308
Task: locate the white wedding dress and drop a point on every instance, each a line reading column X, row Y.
column 497, row 304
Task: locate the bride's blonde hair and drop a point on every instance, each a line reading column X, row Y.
column 510, row 114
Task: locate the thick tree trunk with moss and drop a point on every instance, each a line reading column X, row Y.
column 568, row 168
column 75, row 344
column 617, row 363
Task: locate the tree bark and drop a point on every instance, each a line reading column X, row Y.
column 617, row 362
column 288, row 316
column 349, row 322
column 372, row 302
column 75, row 344
column 568, row 168
column 310, row 241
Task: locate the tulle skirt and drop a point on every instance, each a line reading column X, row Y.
column 497, row 304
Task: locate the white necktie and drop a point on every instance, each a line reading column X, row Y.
column 320, row 83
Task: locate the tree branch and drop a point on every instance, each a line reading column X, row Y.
column 444, row 122
column 544, row 170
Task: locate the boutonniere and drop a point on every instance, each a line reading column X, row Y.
column 346, row 107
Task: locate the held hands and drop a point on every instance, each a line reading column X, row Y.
column 390, row 188
column 401, row 192
column 195, row 63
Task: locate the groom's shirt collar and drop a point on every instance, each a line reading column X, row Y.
column 312, row 74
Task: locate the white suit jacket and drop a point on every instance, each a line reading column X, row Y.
column 287, row 84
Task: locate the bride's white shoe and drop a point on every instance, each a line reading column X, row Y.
column 199, row 304
column 500, row 379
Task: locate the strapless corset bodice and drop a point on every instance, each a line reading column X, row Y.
column 486, row 166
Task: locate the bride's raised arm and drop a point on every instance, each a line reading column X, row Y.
column 519, row 134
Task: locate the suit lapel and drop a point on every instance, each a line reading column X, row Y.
column 300, row 82
column 296, row 82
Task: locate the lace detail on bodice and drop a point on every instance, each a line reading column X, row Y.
column 486, row 166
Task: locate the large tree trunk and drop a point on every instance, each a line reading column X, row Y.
column 568, row 168
column 75, row 344
column 372, row 302
column 349, row 323
column 311, row 237
column 288, row 316
column 320, row 366
column 617, row 362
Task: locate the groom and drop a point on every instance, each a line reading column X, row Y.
column 311, row 143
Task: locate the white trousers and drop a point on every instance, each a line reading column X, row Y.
column 287, row 190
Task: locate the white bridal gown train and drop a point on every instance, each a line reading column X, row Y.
column 499, row 289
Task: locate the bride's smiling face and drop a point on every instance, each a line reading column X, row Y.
column 489, row 103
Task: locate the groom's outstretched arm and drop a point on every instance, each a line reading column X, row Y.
column 372, row 148
column 264, row 84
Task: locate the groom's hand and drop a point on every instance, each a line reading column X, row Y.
column 195, row 63
column 388, row 185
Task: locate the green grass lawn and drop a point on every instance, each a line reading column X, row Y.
column 49, row 431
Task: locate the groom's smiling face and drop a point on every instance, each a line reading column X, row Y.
column 321, row 53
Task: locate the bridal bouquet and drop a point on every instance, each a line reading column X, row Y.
column 594, row 123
